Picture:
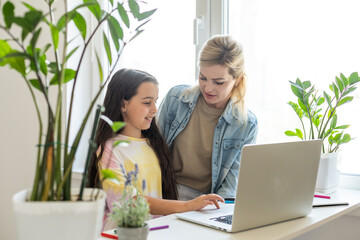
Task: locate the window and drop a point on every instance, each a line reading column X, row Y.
column 165, row 49
column 284, row 40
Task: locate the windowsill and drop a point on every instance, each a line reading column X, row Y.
column 350, row 181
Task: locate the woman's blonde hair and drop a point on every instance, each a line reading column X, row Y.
column 225, row 51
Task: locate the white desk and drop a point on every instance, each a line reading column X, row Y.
column 179, row 229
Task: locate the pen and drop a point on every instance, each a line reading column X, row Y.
column 109, row 235
column 321, row 196
column 229, row 200
column 150, row 229
column 159, row 227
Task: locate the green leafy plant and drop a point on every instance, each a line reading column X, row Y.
column 43, row 68
column 129, row 211
column 318, row 113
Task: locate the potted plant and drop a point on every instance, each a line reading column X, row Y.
column 319, row 120
column 131, row 211
column 44, row 70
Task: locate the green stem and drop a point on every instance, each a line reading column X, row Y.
column 70, row 157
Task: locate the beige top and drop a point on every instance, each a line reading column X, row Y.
column 192, row 148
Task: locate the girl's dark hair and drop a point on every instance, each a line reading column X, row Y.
column 123, row 86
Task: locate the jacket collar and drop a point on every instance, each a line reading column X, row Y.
column 192, row 97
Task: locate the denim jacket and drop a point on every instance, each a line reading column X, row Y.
column 229, row 136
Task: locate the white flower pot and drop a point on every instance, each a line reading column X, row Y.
column 329, row 172
column 59, row 220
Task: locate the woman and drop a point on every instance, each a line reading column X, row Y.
column 207, row 125
column 130, row 98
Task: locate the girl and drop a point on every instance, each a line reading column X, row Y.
column 131, row 97
column 210, row 121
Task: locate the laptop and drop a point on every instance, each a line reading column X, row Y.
column 276, row 183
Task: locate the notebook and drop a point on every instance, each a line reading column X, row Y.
column 276, row 183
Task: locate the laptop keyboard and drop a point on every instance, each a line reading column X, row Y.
column 224, row 219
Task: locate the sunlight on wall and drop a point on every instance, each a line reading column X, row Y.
column 284, row 40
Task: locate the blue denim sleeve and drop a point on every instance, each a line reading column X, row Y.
column 228, row 187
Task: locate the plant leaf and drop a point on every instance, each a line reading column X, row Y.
column 345, row 100
column 8, row 12
column 116, row 31
column 349, row 90
column 35, row 38
column 333, row 121
column 43, row 66
column 122, row 143
column 5, row 49
column 69, row 75
column 339, row 84
column 335, row 90
column 346, row 138
column 338, row 137
column 137, row 34
column 109, row 174
column 16, row 60
column 320, row 101
column 299, row 133
column 107, row 48
column 147, row 14
column 134, row 8
column 55, row 36
column 342, row 127
column 123, row 15
column 297, row 90
column 28, row 6
column 94, row 7
column 62, row 20
column 116, row 126
column 80, row 24
column 99, row 67
column 33, row 18
column 290, row 133
column 306, row 84
column 328, row 100
column 302, row 106
column 35, row 83
column 344, row 80
column 354, row 78
column 71, row 53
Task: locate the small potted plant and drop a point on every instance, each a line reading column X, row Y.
column 132, row 210
column 319, row 120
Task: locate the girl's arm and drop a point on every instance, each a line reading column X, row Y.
column 165, row 207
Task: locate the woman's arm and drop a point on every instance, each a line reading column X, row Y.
column 165, row 207
column 228, row 186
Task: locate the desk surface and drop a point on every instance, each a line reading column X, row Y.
column 179, row 229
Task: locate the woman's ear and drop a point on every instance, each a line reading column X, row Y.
column 124, row 104
column 239, row 79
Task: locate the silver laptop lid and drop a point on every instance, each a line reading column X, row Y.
column 276, row 183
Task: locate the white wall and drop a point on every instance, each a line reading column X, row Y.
column 18, row 136
column 18, row 133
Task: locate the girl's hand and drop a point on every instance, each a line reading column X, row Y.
column 203, row 201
